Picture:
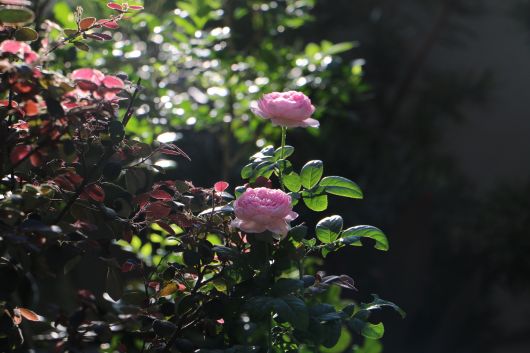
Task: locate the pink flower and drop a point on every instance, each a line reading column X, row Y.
column 288, row 109
column 261, row 209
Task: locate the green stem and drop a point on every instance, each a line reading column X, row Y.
column 282, row 147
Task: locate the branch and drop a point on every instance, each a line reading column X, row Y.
column 129, row 111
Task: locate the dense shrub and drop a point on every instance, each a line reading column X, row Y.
column 185, row 268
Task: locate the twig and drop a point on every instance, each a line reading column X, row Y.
column 81, row 31
column 129, row 111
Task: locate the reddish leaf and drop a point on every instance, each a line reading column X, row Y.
column 173, row 150
column 76, row 179
column 114, row 6
column 181, row 220
column 21, row 125
column 157, row 210
column 127, row 266
column 19, row 152
column 95, row 36
column 86, row 23
column 95, row 192
column 5, row 103
column 166, row 227
column 31, row 108
column 161, row 195
column 104, row 36
column 220, row 186
column 113, row 82
column 35, row 159
column 11, row 46
column 141, row 200
column 29, row 315
column 30, row 57
column 127, row 235
column 64, row 183
column 109, row 24
column 155, row 285
column 136, row 7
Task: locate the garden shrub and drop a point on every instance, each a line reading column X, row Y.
column 185, row 268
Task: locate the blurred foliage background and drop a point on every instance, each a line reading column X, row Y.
column 459, row 261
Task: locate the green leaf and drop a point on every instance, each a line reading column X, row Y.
column 298, row 232
column 26, row 34
column 81, row 46
column 146, row 250
column 379, row 303
column 342, row 345
column 293, row 310
column 16, row 15
column 329, row 228
column 247, row 171
column 352, row 236
column 339, row 48
column 340, row 186
column 311, row 173
column 264, row 169
column 331, row 331
column 225, row 253
column 315, row 201
column 369, row 346
column 287, row 152
column 191, row 258
column 292, row 182
column 373, row 331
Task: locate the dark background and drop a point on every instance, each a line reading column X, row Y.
column 450, row 182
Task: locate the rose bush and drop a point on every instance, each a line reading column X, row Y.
column 183, row 268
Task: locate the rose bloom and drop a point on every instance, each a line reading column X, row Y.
column 287, row 109
column 261, row 209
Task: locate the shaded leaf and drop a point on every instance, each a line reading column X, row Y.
column 114, row 283
column 293, row 310
column 16, row 15
column 26, row 34
column 352, row 236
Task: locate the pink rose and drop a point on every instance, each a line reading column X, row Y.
column 288, row 109
column 261, row 209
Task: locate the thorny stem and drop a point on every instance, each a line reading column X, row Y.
column 180, row 325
